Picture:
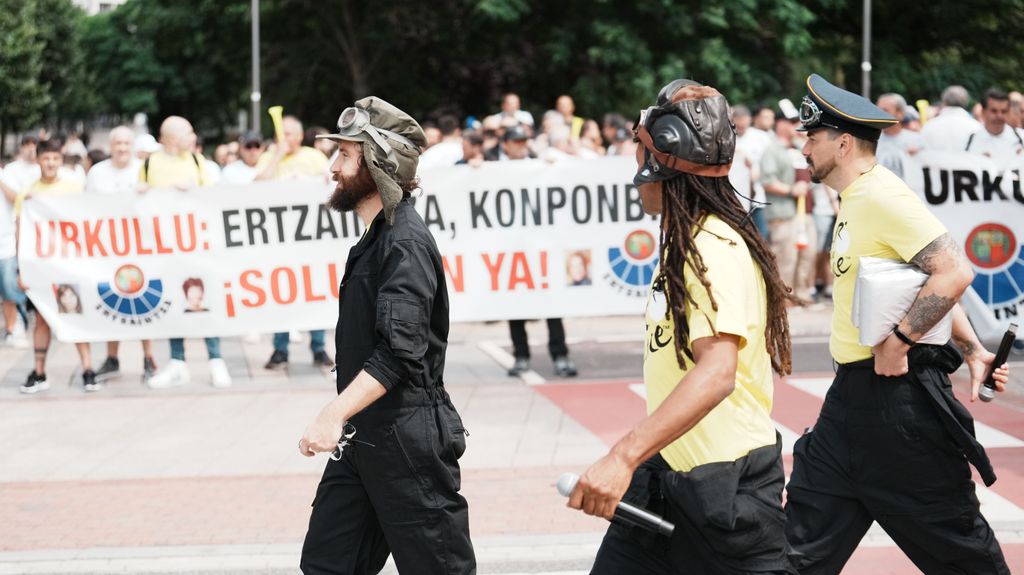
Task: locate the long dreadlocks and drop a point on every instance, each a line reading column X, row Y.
column 686, row 200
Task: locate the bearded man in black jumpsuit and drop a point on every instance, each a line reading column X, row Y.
column 395, row 487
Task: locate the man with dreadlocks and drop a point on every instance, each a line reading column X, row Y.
column 707, row 457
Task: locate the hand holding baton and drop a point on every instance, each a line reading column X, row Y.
column 625, row 512
column 988, row 389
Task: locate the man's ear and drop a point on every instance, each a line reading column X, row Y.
column 845, row 144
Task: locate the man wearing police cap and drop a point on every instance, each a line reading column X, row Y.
column 392, row 484
column 892, row 444
column 707, row 457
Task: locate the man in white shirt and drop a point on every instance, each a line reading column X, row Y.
column 24, row 170
column 449, row 150
column 511, row 111
column 13, row 296
column 909, row 141
column 243, row 170
column 750, row 145
column 896, row 143
column 15, row 178
column 119, row 175
column 950, row 129
column 996, row 139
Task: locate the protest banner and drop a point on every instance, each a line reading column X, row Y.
column 519, row 240
column 982, row 205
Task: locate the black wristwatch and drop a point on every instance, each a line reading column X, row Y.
column 903, row 337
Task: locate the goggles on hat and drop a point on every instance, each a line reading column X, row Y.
column 354, row 121
column 810, row 113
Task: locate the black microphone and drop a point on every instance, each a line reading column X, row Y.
column 625, row 512
column 988, row 390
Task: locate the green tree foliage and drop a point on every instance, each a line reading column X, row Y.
column 919, row 48
column 188, row 58
column 23, row 94
column 191, row 57
column 71, row 95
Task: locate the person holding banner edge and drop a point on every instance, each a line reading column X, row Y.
column 892, row 444
column 707, row 457
column 394, row 487
column 290, row 160
column 178, row 167
column 50, row 158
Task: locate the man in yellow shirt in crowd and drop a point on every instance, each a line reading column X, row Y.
column 707, row 457
column 892, row 444
column 290, row 160
column 178, row 167
column 51, row 158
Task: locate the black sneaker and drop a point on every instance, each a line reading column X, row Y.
column 148, row 368
column 565, row 367
column 110, row 369
column 322, row 360
column 35, row 383
column 522, row 364
column 89, row 382
column 279, row 360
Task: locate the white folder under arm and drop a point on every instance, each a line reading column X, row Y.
column 882, row 296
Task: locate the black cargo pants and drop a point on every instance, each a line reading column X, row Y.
column 728, row 519
column 879, row 452
column 400, row 496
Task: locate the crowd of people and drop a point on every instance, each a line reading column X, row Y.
column 795, row 215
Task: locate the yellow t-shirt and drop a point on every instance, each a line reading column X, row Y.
column 304, row 163
column 38, row 188
column 880, row 217
column 742, row 421
column 167, row 171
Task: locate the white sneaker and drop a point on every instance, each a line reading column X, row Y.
column 18, row 338
column 173, row 374
column 219, row 376
column 16, row 341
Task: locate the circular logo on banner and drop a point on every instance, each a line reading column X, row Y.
column 130, row 295
column 998, row 261
column 634, row 263
column 128, row 279
column 991, row 246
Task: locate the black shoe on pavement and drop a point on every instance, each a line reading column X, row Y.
column 322, row 360
column 522, row 364
column 279, row 360
column 148, row 368
column 89, row 382
column 110, row 369
column 565, row 367
column 35, row 383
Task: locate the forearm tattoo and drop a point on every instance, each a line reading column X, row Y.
column 928, row 258
column 967, row 347
column 927, row 311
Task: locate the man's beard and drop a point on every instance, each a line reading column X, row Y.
column 818, row 174
column 350, row 192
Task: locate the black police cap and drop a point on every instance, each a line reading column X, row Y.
column 829, row 106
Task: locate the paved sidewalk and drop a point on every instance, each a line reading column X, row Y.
column 204, row 480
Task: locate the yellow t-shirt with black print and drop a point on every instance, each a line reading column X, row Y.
column 742, row 422
column 880, row 217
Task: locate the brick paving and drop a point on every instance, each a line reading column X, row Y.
column 200, row 480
